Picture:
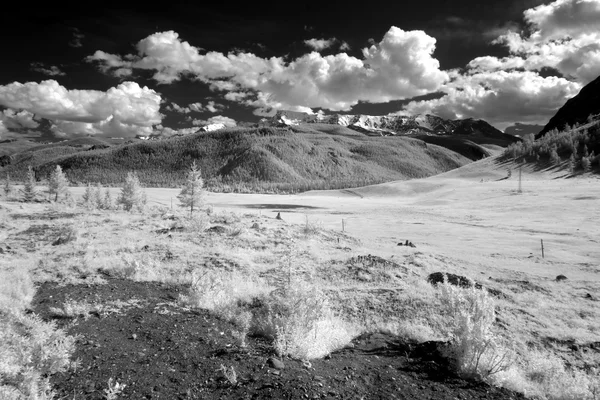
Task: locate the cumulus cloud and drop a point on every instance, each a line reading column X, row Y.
column 500, row 97
column 400, row 66
column 320, row 44
column 166, row 131
column 124, row 110
column 219, row 119
column 52, row 71
column 563, row 35
column 16, row 120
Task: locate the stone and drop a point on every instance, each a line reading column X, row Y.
column 275, row 363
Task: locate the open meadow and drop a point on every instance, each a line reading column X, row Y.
column 164, row 304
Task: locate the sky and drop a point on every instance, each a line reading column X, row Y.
column 125, row 70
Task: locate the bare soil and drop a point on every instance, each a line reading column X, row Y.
column 161, row 350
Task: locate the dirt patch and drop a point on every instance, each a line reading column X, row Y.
column 160, row 350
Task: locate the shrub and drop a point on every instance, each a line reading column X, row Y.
column 474, row 349
column 305, row 325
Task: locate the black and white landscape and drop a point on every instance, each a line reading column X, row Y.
column 300, row 201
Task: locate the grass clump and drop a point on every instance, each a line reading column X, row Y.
column 298, row 319
column 30, row 349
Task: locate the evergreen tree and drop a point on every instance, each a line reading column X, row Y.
column 108, row 202
column 58, row 185
column 192, row 193
column 132, row 194
column 8, row 189
column 573, row 162
column 88, row 196
column 586, row 164
column 554, row 157
column 98, row 200
column 29, row 190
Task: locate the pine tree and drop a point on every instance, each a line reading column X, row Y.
column 98, row 200
column 132, row 194
column 573, row 162
column 8, row 189
column 58, row 185
column 29, row 190
column 88, row 196
column 108, row 203
column 586, row 164
column 554, row 157
column 192, row 193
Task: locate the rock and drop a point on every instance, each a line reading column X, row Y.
column 589, row 297
column 217, row 229
column 255, row 226
column 561, row 278
column 453, row 279
column 275, row 363
column 461, row 281
column 278, row 216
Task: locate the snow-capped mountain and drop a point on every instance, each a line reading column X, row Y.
column 390, row 124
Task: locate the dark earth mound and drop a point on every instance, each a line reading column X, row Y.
column 160, row 350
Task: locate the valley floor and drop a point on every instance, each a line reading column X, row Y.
column 472, row 221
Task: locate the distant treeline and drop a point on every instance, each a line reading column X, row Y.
column 580, row 144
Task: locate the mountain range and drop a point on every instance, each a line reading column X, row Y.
column 393, row 124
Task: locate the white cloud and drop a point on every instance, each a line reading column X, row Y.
column 52, row 71
column 399, row 67
column 500, row 97
column 124, row 110
column 111, row 64
column 219, row 119
column 166, row 131
column 177, row 108
column 320, row 44
column 195, row 107
column 17, row 120
column 564, row 35
column 344, row 46
column 564, row 18
column 212, row 107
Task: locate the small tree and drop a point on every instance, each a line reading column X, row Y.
column 554, row 157
column 58, row 185
column 573, row 162
column 192, row 193
column 586, row 164
column 29, row 191
column 88, row 196
column 98, row 199
column 8, row 189
column 108, row 202
column 132, row 194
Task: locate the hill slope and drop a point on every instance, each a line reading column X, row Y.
column 264, row 159
column 577, row 109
